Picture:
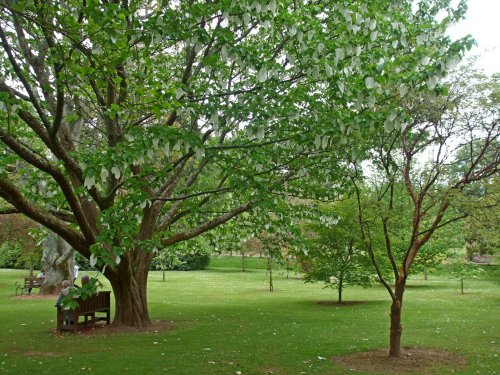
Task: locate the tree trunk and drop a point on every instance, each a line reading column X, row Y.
column 270, row 265
column 130, row 292
column 57, row 261
column 425, row 273
column 462, row 283
column 242, row 261
column 396, row 327
column 341, row 286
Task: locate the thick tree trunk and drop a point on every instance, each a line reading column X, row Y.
column 130, row 292
column 129, row 282
column 396, row 327
column 57, row 261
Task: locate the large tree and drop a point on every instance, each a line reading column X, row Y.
column 139, row 124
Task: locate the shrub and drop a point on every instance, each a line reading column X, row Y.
column 194, row 260
column 12, row 255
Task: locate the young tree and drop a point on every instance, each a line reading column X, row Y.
column 333, row 250
column 139, row 124
column 445, row 146
column 464, row 269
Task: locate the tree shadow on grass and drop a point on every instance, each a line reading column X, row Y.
column 340, row 304
column 335, row 304
column 229, row 270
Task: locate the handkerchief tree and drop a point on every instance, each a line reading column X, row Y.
column 128, row 126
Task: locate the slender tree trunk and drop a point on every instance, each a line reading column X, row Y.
column 462, row 283
column 425, row 274
column 270, row 265
column 242, row 261
column 341, row 286
column 396, row 327
column 163, row 275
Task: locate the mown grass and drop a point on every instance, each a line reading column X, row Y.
column 224, row 261
column 225, row 321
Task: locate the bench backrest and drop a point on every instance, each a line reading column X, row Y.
column 33, row 281
column 100, row 300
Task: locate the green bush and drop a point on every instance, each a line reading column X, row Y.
column 191, row 261
column 12, row 255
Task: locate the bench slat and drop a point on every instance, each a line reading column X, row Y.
column 97, row 303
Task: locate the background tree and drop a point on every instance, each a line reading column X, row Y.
column 464, row 269
column 439, row 248
column 482, row 236
column 333, row 250
column 249, row 247
column 19, row 247
column 58, row 262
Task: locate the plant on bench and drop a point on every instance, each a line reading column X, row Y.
column 68, row 317
column 29, row 284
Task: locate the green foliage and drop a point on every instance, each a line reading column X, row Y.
column 128, row 127
column 196, row 259
column 333, row 252
column 12, row 255
column 84, row 263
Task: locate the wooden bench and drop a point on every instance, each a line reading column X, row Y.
column 99, row 303
column 29, row 284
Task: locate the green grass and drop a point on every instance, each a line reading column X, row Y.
column 251, row 263
column 225, row 321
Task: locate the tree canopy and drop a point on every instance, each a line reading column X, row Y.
column 127, row 126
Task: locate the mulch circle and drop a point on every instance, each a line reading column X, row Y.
column 101, row 328
column 412, row 361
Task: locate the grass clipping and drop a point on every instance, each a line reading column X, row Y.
column 412, row 361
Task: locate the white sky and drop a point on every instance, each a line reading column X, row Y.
column 483, row 23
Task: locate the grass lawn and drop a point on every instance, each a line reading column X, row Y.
column 225, row 321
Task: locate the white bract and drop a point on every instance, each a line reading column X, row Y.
column 369, row 82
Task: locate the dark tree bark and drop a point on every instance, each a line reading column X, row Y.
column 341, row 287
column 396, row 329
column 130, row 290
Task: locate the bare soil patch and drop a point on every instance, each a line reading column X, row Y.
column 101, row 328
column 345, row 303
column 412, row 361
